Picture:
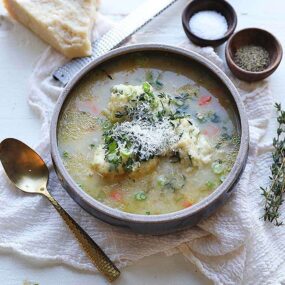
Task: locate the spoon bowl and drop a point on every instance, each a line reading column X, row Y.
column 23, row 166
column 27, row 170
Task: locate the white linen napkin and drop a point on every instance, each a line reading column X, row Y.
column 234, row 246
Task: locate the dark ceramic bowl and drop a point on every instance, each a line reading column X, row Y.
column 165, row 223
column 220, row 6
column 253, row 36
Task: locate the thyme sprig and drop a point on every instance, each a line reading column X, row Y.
column 273, row 194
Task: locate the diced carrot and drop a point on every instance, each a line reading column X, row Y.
column 94, row 109
column 116, row 196
column 186, row 204
column 204, row 100
column 211, row 131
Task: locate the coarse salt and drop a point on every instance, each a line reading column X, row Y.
column 209, row 25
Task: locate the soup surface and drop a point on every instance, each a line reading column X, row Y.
column 149, row 133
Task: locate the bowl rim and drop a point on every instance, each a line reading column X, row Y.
column 270, row 67
column 74, row 189
column 230, row 31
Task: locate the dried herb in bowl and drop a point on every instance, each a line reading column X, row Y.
column 273, row 194
column 252, row 58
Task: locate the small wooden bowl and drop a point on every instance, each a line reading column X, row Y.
column 259, row 37
column 220, row 6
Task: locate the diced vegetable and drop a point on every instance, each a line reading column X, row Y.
column 161, row 181
column 146, row 87
column 140, row 196
column 210, row 184
column 201, row 117
column 158, row 85
column 204, row 100
column 186, row 204
column 112, row 146
column 128, row 166
column 218, row 167
column 101, row 196
column 125, row 153
column 149, row 76
column 222, row 178
column 116, row 195
column 211, row 131
column 178, row 102
column 113, row 158
column 174, row 182
column 120, row 114
column 214, row 118
column 66, row 154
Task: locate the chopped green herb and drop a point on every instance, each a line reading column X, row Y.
column 146, row 87
column 92, row 145
column 125, row 153
column 155, row 83
column 128, row 166
column 210, row 184
column 140, row 196
column 112, row 146
column 101, row 196
column 66, row 154
column 174, row 182
column 158, row 85
column 114, row 159
column 149, row 76
column 218, row 167
column 189, row 91
column 214, row 118
column 179, row 102
column 120, row 114
column 201, row 117
column 161, row 181
column 223, row 178
column 147, row 213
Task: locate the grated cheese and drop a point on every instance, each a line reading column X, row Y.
column 148, row 138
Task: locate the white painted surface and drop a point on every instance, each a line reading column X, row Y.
column 18, row 54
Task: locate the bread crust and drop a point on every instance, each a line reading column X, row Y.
column 60, row 36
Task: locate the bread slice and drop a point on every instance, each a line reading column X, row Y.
column 64, row 24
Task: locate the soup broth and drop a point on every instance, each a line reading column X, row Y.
column 200, row 111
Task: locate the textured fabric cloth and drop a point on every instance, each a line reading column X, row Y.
column 234, row 246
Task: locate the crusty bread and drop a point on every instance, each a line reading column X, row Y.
column 64, row 24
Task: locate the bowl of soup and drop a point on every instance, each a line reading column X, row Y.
column 150, row 137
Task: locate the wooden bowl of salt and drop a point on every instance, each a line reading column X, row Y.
column 209, row 22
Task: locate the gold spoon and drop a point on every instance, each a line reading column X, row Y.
column 29, row 173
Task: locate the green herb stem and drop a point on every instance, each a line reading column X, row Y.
column 273, row 194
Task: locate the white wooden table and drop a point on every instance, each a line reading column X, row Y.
column 19, row 52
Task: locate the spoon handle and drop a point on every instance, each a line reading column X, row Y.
column 96, row 254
